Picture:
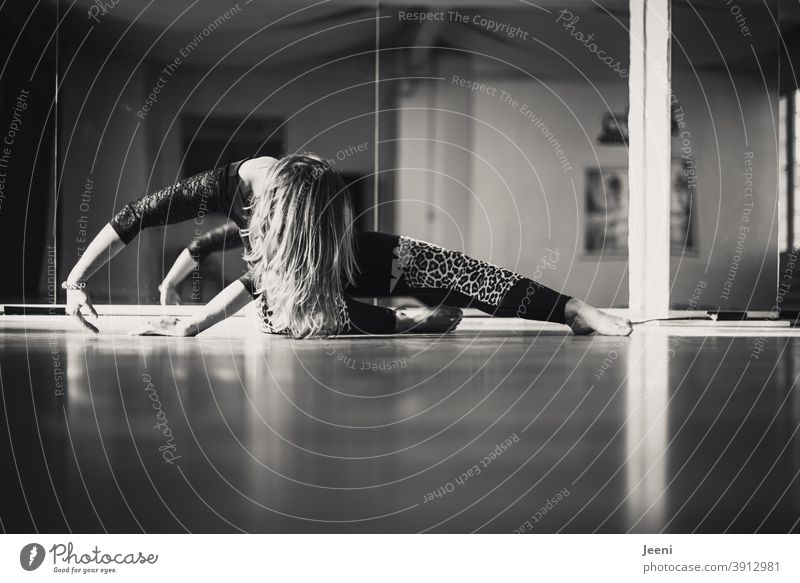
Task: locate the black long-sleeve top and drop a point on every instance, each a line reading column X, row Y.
column 218, row 191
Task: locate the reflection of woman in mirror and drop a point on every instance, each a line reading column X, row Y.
column 307, row 263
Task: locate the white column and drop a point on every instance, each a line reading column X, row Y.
column 649, row 158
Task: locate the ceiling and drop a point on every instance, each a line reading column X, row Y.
column 294, row 33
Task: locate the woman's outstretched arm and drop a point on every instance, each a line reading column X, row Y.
column 222, row 238
column 226, row 303
column 183, row 266
column 204, row 192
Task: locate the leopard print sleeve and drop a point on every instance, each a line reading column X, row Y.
column 185, row 200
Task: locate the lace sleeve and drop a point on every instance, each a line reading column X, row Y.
column 222, row 238
column 189, row 198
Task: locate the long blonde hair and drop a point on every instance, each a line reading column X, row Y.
column 302, row 245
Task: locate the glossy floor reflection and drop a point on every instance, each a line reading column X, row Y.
column 498, row 427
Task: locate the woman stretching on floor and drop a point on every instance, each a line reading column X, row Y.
column 307, row 264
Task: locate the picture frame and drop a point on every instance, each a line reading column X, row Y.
column 606, row 208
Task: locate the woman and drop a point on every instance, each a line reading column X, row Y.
column 307, row 264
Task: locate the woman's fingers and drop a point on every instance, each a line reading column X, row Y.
column 77, row 300
column 89, row 305
column 84, row 322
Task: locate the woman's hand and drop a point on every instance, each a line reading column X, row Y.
column 166, row 327
column 169, row 295
column 438, row 320
column 100, row 250
column 80, row 306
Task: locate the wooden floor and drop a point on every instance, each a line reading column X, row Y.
column 498, row 427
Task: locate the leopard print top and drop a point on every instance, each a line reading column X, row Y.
column 267, row 326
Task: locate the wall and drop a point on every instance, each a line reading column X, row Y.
column 471, row 171
column 740, row 120
column 27, row 127
column 520, row 201
column 434, row 161
column 529, row 199
column 104, row 163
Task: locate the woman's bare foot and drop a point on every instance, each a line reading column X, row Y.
column 438, row 320
column 585, row 319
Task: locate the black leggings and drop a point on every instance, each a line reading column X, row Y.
column 392, row 266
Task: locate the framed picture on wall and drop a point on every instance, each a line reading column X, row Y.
column 606, row 216
column 606, row 210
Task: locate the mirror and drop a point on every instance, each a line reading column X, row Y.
column 724, row 207
column 502, row 135
column 152, row 93
column 501, row 131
